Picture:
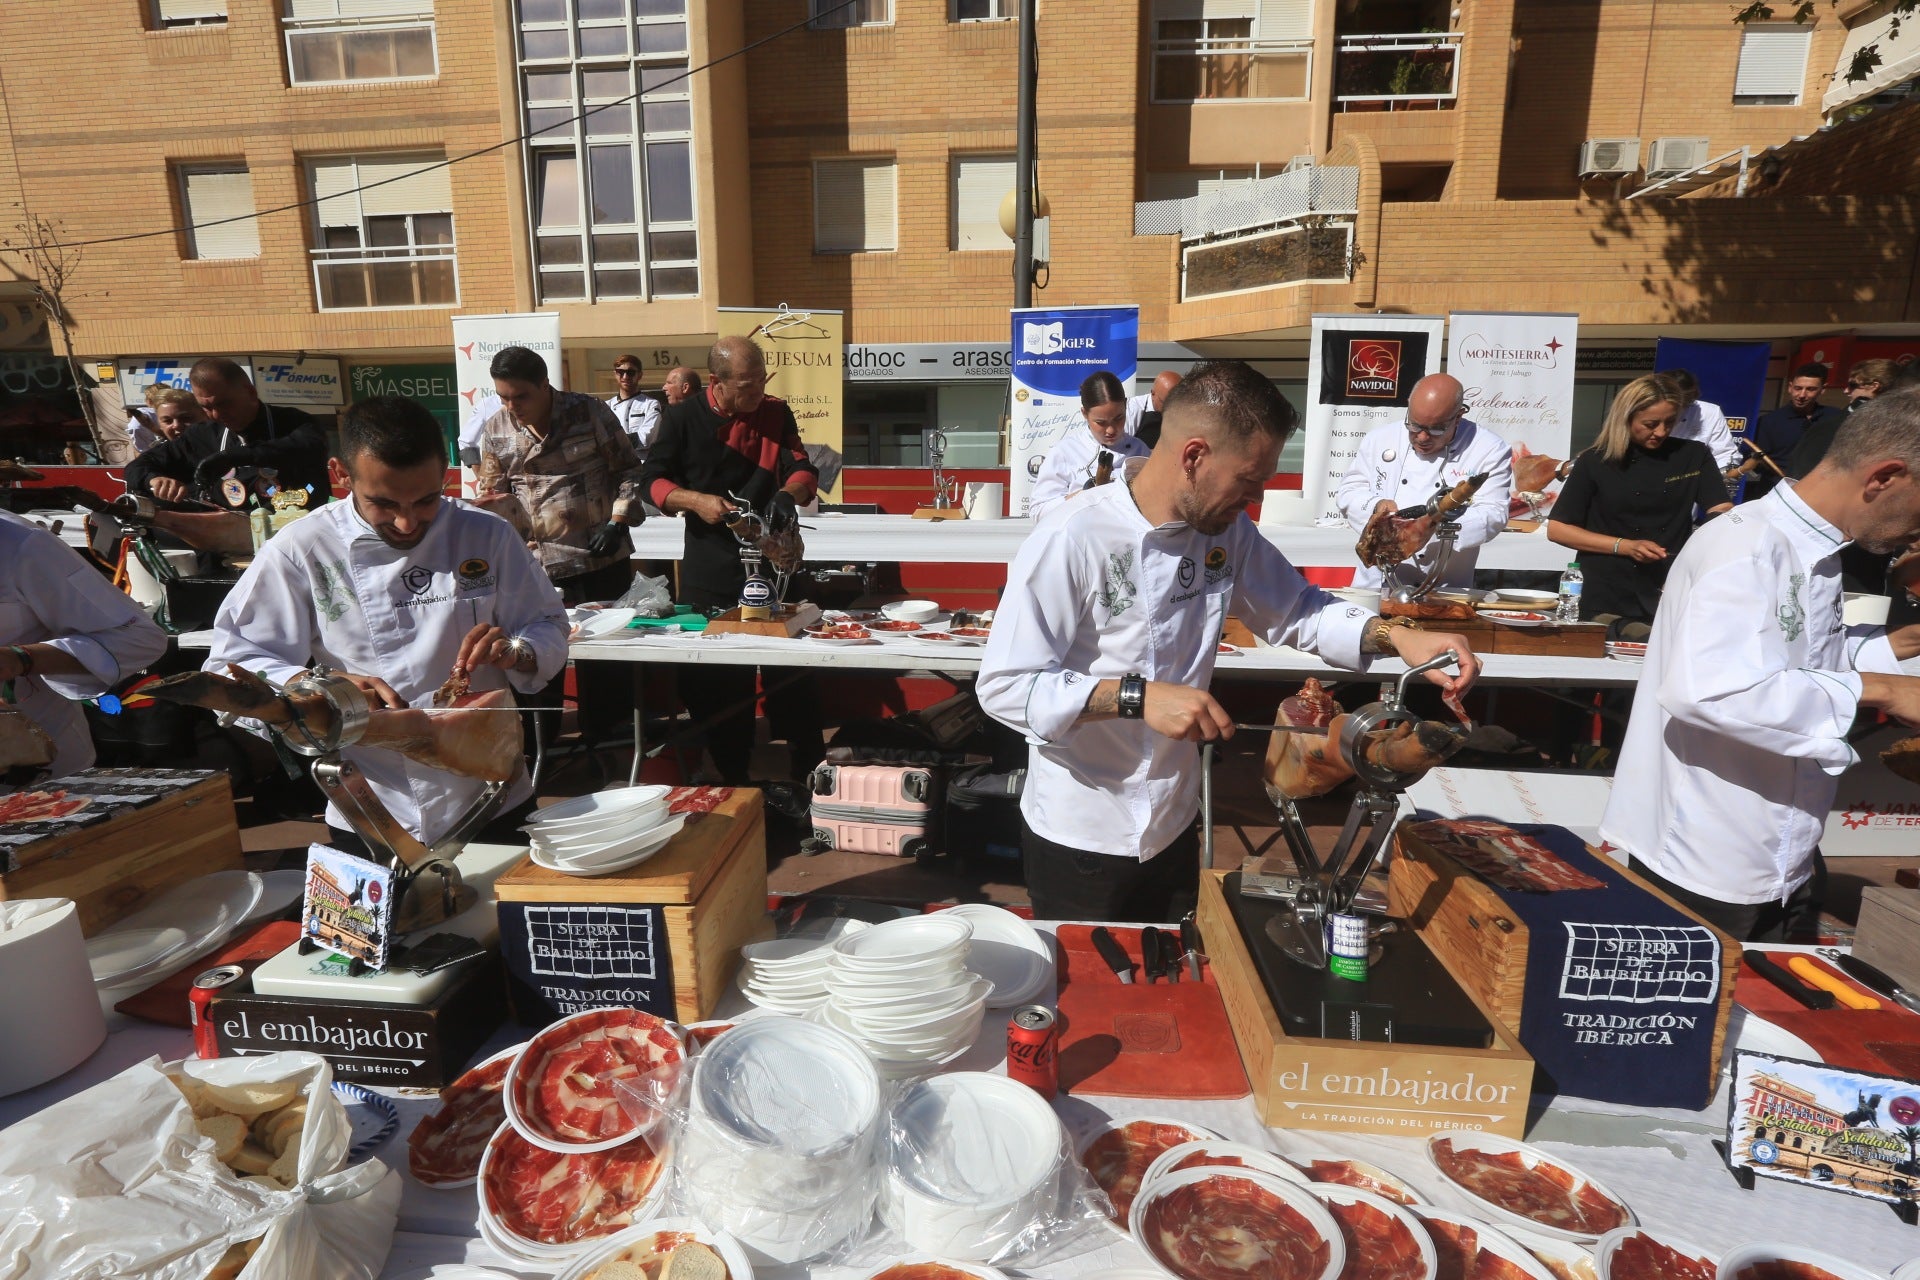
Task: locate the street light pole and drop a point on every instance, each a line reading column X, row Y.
column 1028, row 126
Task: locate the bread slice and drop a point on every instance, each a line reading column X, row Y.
column 229, row 1134
column 249, row 1098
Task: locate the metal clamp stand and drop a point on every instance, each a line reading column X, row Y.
column 749, row 527
column 943, row 489
column 1332, row 886
column 1443, row 547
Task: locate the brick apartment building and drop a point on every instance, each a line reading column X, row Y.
column 1232, row 166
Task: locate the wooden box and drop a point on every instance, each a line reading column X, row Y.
column 664, row 936
column 1888, row 936
column 1569, row 640
column 1407, row 1090
column 1467, row 925
column 113, row 868
column 788, row 621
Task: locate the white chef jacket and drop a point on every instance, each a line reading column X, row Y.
column 1703, row 421
column 328, row 589
column 639, row 417
column 1387, row 467
column 484, row 407
column 1097, row 593
column 50, row 595
column 1137, row 405
column 1739, row 728
column 1071, row 463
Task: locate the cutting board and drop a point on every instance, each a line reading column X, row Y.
column 1164, row 1040
column 1885, row 1041
column 165, row 1002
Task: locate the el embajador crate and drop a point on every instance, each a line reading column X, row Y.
column 142, row 832
column 664, row 936
column 1310, row 1082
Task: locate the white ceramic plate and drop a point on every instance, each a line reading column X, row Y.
column 1372, row 1172
column 1493, row 1241
column 922, row 611
column 603, row 804
column 827, row 642
column 1610, row 1244
column 603, row 622
column 1517, row 617
column 279, row 890
column 1531, row 1156
column 1006, row 951
column 1515, row 595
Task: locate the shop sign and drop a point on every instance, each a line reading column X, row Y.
column 928, row 362
column 312, row 382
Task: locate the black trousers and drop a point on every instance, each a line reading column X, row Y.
column 1750, row 921
column 1064, row 883
column 722, row 699
column 603, row 690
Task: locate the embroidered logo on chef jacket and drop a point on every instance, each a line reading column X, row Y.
column 1186, row 571
column 1117, row 593
column 418, row 580
column 1793, row 614
column 1217, row 566
column 332, row 590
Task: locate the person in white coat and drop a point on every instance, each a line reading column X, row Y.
column 637, row 412
column 65, row 635
column 1409, row 465
column 394, row 589
column 1073, row 465
column 1739, row 729
column 1104, row 642
column 1702, row 420
column 1152, row 400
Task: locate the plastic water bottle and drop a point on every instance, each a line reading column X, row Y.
column 1570, row 583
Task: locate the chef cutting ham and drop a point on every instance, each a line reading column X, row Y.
column 1404, row 467
column 1104, row 642
column 400, row 589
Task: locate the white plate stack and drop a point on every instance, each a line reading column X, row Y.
column 789, row 975
column 605, row 832
column 902, row 989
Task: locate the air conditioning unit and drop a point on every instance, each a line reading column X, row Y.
column 1609, row 156
column 1676, row 155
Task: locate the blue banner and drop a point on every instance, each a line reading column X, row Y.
column 1054, row 350
column 1732, row 375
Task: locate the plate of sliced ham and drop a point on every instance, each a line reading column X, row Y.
column 444, row 1150
column 1525, row 1187
column 588, row 1082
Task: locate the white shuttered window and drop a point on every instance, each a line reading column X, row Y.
column 213, row 196
column 188, row 13
column 1773, row 64
column 980, row 183
column 854, row 206
column 384, row 232
column 337, row 41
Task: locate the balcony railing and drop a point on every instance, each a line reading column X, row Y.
column 1397, row 72
column 1237, row 208
column 1231, row 68
column 359, row 279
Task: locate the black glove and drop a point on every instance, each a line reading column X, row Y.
column 783, row 513
column 206, row 476
column 608, row 539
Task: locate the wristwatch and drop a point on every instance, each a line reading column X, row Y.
column 1132, row 704
column 520, row 649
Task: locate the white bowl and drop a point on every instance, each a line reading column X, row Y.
column 1375, row 1179
column 1499, row 1214
column 897, row 943
column 602, row 804
column 1610, row 1244
column 1215, row 1153
column 1495, row 1242
column 738, row 1268
column 911, row 610
column 605, row 861
column 609, row 827
column 1747, row 1254
column 1292, row 1194
column 928, row 1007
column 1008, row 952
column 789, row 953
column 1332, row 1194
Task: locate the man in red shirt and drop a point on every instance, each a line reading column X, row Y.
column 732, row 442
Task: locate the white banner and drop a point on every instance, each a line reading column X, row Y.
column 1054, row 350
column 1517, row 368
column 135, row 376
column 310, row 382
column 1360, row 371
column 477, row 338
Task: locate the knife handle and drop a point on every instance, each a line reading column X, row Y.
column 1113, row 953
column 1153, row 953
column 1867, row 975
column 1788, row 983
column 1814, row 976
column 1190, row 944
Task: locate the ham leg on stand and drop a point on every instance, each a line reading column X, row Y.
column 1300, row 765
column 1393, row 536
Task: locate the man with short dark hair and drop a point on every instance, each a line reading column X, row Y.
column 397, row 587
column 1779, row 431
column 258, row 445
column 1104, row 642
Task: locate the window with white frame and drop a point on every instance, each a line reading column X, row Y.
column 828, row 14
column 1773, row 65
column 383, row 232
column 854, row 206
column 218, row 203
column 189, row 13
column 979, row 184
column 609, row 117
column 982, row 10
column 337, row 41
column 1245, row 49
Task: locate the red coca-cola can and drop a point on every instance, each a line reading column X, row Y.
column 1032, row 1057
column 199, row 997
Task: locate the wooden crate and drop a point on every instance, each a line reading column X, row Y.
column 1467, row 925
column 1305, row 1082
column 1888, row 936
column 707, row 890
column 114, row 868
column 790, row 622
column 1570, row 640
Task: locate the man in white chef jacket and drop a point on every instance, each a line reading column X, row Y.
column 66, row 634
column 1702, row 420
column 1739, row 728
column 1104, row 643
column 394, row 589
column 1409, row 465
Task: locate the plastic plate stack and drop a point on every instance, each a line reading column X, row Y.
column 789, row 975
column 780, row 1140
column 903, row 991
column 602, row 833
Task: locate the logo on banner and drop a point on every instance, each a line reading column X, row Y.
column 1373, row 368
column 1545, row 356
column 1050, row 339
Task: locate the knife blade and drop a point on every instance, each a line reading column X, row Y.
column 1190, row 944
column 1154, row 951
column 1780, row 978
column 1318, row 731
column 1113, row 953
column 1875, row 979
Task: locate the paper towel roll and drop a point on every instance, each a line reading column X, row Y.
column 50, row 1017
column 985, row 500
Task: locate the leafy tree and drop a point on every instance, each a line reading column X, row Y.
column 1865, row 58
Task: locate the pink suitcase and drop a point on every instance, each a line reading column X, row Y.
column 875, row 808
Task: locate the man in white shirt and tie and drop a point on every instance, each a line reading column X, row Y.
column 638, row 412
column 1739, row 729
column 1408, row 465
column 1104, row 642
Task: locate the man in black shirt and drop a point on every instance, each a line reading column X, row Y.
column 1779, row 431
column 241, row 435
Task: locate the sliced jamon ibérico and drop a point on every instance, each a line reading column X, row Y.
column 559, row 1197
column 1359, row 1176
column 1544, row 1193
column 446, row 1147
column 1641, row 1257
column 1379, row 1246
column 577, row 1081
column 1455, row 1246
column 1226, row 1227
column 1118, row 1158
